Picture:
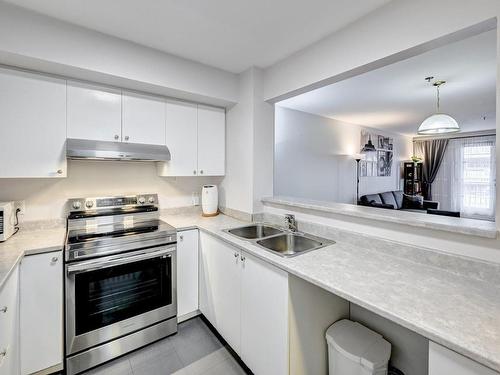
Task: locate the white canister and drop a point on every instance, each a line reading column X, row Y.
column 209, row 200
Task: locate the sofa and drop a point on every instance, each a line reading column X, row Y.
column 397, row 200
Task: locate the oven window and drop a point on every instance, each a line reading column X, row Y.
column 109, row 295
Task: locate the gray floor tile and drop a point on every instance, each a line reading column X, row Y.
column 194, row 350
column 227, row 367
column 164, row 364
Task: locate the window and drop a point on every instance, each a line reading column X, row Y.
column 466, row 178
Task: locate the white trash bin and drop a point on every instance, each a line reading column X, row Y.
column 354, row 349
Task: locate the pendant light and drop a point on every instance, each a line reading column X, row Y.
column 368, row 147
column 438, row 123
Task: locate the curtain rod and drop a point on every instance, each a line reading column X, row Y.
column 464, row 135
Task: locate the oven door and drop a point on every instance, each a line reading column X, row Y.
column 109, row 297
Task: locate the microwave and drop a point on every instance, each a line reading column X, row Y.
column 7, row 220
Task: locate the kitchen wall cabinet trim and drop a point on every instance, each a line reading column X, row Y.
column 41, row 312
column 32, row 125
column 187, row 274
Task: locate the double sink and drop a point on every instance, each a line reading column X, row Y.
column 282, row 242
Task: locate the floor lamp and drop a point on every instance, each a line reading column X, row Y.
column 358, row 158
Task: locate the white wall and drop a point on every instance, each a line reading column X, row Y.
column 365, row 44
column 313, row 158
column 249, row 147
column 45, row 198
column 38, row 42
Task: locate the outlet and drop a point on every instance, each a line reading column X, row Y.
column 21, row 205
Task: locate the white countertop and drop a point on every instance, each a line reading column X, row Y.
column 455, row 311
column 458, row 312
column 480, row 228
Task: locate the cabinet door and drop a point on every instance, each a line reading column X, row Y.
column 41, row 312
column 220, row 287
column 444, row 361
column 143, row 119
column 211, row 141
column 187, row 273
column 182, row 141
column 9, row 325
column 264, row 317
column 94, row 112
column 32, row 125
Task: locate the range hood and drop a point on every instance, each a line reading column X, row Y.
column 102, row 150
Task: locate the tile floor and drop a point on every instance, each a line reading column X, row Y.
column 194, row 350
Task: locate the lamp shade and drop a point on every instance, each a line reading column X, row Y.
column 438, row 123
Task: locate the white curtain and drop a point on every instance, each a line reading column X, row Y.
column 466, row 179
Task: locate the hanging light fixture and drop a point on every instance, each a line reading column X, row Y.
column 368, row 147
column 438, row 123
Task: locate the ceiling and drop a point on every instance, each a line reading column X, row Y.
column 228, row 34
column 396, row 97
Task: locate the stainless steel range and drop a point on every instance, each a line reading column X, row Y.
column 120, row 266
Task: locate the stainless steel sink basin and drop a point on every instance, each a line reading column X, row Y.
column 292, row 244
column 254, row 231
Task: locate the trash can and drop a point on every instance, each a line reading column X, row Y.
column 354, row 349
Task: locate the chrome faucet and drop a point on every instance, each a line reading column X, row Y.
column 290, row 222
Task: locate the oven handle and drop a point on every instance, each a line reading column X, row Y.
column 100, row 264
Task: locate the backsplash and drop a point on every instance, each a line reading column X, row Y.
column 45, row 199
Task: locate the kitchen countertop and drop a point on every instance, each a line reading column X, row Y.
column 456, row 311
column 480, row 228
column 29, row 242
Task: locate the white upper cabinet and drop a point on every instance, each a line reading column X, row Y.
column 94, row 112
column 196, row 140
column 143, row 119
column 32, row 125
column 182, row 140
column 211, row 141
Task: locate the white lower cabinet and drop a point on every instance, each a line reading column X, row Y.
column 264, row 317
column 220, row 287
column 443, row 361
column 9, row 325
column 41, row 312
column 246, row 300
column 187, row 274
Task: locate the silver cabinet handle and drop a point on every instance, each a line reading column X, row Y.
column 3, row 353
column 201, row 172
column 117, row 136
column 59, row 171
column 4, row 309
column 242, row 258
column 194, row 172
column 54, row 259
column 181, row 237
column 126, row 138
column 236, row 255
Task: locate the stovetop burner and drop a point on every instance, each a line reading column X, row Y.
column 111, row 225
